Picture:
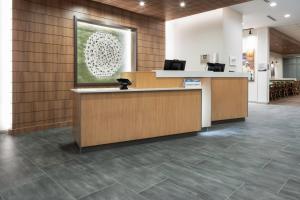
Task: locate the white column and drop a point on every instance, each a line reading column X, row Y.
column 5, row 64
column 206, row 102
column 263, row 56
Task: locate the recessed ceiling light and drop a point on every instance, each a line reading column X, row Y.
column 287, row 15
column 142, row 3
column 273, row 4
column 182, row 4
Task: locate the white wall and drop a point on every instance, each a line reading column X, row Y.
column 263, row 56
column 5, row 64
column 218, row 31
column 232, row 37
column 278, row 66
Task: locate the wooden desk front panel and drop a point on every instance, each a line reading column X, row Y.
column 229, row 98
column 116, row 117
column 149, row 80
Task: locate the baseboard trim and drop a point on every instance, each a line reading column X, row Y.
column 29, row 129
column 228, row 121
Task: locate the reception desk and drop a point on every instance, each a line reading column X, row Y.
column 224, row 94
column 110, row 115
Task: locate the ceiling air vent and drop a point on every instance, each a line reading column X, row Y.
column 271, row 18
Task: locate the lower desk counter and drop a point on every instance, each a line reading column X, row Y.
column 103, row 116
column 229, row 98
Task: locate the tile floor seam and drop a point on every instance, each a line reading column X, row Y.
column 267, row 163
column 153, row 185
column 285, row 146
column 209, row 178
column 117, row 182
column 57, row 163
column 29, row 158
column 60, row 164
column 103, row 188
column 297, row 192
column 31, row 179
column 130, row 189
column 59, row 185
column 294, row 177
column 283, row 185
column 199, row 162
column 24, row 183
column 230, row 146
column 203, row 176
column 237, row 189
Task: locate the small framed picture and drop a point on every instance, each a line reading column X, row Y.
column 204, row 58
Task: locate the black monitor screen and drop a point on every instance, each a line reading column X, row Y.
column 174, row 65
column 216, row 67
column 211, row 66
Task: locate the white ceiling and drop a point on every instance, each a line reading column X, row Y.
column 255, row 15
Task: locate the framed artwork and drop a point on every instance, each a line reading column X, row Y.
column 102, row 51
column 249, row 64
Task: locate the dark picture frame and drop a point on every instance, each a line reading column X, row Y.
column 103, row 24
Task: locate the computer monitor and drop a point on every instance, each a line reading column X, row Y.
column 174, row 65
column 216, row 67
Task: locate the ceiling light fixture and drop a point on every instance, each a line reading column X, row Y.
column 182, row 4
column 273, row 4
column 142, row 3
column 250, row 30
column 287, row 15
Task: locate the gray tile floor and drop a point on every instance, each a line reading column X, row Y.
column 258, row 159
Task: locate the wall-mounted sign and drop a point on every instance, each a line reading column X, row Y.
column 232, row 61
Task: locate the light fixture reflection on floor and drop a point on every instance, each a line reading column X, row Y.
column 273, row 4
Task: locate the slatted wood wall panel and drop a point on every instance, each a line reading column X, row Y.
column 43, row 56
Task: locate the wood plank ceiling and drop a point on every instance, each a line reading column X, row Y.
column 282, row 43
column 170, row 9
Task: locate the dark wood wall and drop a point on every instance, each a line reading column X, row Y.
column 43, row 56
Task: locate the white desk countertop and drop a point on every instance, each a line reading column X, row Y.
column 283, row 79
column 117, row 90
column 199, row 74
